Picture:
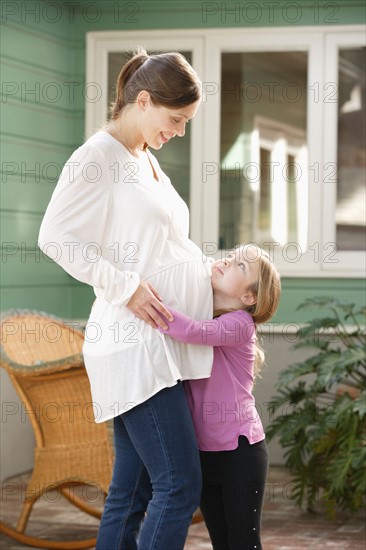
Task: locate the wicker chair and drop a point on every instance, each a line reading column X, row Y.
column 42, row 356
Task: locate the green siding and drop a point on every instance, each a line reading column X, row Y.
column 296, row 290
column 38, row 136
column 42, row 53
column 175, row 14
column 54, row 299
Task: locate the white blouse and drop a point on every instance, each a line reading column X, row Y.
column 110, row 224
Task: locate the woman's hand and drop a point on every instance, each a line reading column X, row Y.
column 146, row 304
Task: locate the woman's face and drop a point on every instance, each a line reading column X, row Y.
column 160, row 124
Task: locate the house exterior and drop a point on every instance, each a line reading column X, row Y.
column 276, row 154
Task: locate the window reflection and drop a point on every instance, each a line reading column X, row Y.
column 263, row 187
column 351, row 195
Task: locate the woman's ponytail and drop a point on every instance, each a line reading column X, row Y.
column 124, row 90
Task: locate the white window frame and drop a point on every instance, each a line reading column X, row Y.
column 99, row 45
column 333, row 43
column 207, row 46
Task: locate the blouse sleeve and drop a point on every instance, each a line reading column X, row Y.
column 74, row 225
column 231, row 329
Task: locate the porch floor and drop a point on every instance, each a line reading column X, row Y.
column 284, row 527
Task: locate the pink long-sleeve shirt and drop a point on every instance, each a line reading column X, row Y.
column 222, row 406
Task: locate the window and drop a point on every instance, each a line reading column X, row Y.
column 344, row 195
column 276, row 154
column 263, row 147
column 351, row 150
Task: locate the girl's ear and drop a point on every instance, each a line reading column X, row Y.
column 248, row 299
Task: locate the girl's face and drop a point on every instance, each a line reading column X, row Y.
column 234, row 275
column 160, row 124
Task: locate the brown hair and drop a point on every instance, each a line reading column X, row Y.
column 267, row 291
column 168, row 77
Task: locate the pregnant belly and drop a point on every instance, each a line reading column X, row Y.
column 185, row 286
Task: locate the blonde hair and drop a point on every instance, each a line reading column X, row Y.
column 267, row 290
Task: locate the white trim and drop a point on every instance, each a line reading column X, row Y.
column 207, row 45
column 99, row 36
column 346, row 259
column 292, row 328
column 211, row 78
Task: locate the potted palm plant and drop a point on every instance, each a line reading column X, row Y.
column 320, row 408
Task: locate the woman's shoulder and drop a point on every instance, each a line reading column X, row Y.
column 93, row 161
column 100, row 141
column 94, row 144
column 102, row 145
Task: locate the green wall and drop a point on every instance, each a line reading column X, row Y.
column 39, row 133
column 43, row 49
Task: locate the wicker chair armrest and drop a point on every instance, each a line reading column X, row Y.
column 41, row 367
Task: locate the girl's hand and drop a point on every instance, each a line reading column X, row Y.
column 146, row 304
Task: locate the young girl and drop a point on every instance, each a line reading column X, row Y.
column 234, row 459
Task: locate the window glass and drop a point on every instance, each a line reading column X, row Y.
column 263, row 185
column 351, row 158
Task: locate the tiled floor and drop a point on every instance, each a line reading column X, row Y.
column 284, row 527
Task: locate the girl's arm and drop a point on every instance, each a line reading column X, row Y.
column 230, row 329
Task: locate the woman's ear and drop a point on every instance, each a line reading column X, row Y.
column 143, row 99
column 248, row 299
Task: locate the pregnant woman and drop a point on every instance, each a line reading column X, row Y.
column 119, row 225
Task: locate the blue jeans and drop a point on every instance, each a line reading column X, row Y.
column 157, row 470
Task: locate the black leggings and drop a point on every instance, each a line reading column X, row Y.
column 233, row 493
